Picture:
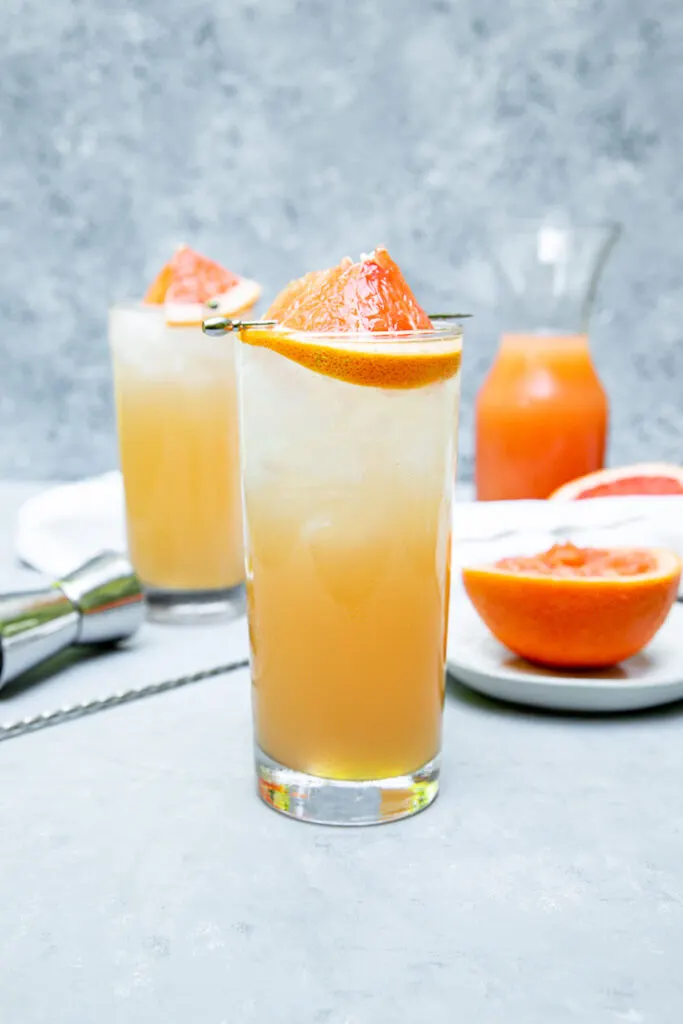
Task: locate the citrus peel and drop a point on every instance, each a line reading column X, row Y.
column 383, row 365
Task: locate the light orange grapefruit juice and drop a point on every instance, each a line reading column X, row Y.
column 178, row 437
column 348, row 453
column 541, row 417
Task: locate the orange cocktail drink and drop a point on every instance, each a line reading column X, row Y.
column 177, row 419
column 348, row 453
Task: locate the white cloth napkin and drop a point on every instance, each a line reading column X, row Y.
column 61, row 528
column 64, row 526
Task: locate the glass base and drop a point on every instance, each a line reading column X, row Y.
column 192, row 607
column 333, row 802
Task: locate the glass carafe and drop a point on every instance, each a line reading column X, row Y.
column 542, row 413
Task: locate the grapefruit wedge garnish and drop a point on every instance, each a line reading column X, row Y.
column 645, row 478
column 573, row 607
column 372, row 298
column 371, row 295
column 189, row 281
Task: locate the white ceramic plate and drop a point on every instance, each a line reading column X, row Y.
column 653, row 677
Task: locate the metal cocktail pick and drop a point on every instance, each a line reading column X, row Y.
column 218, row 325
column 449, row 316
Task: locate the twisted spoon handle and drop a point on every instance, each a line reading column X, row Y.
column 10, row 730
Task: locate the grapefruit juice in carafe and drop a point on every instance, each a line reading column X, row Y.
column 542, row 412
column 541, row 417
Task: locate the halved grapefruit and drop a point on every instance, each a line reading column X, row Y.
column 573, row 607
column 189, row 280
column 644, row 478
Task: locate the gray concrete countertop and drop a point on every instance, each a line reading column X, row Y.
column 142, row 881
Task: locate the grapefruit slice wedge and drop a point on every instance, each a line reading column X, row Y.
column 189, row 281
column 373, row 318
column 644, row 478
column 371, row 295
column 572, row 607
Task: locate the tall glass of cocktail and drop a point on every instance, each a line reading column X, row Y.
column 348, row 454
column 177, row 419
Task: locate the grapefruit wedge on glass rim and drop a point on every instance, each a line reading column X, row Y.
column 320, row 315
column 572, row 607
column 189, row 281
column 642, row 479
column 370, row 295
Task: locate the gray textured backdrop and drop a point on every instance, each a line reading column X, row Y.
column 280, row 135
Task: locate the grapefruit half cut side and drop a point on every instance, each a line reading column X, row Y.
column 644, row 478
column 572, row 607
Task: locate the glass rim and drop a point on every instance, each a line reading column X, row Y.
column 136, row 304
column 156, row 312
column 440, row 332
column 528, row 223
